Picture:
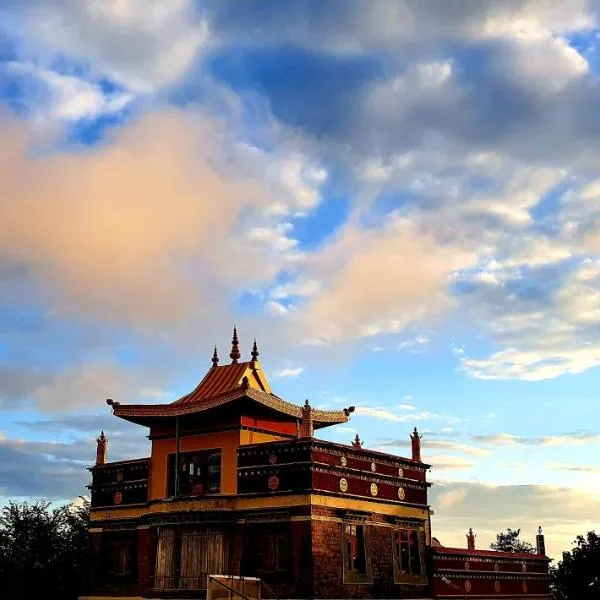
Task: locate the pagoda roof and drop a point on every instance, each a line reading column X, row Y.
column 145, row 414
column 228, row 377
column 223, row 385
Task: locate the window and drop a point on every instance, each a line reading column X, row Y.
column 408, row 565
column 119, row 558
column 199, row 473
column 123, row 560
column 267, row 551
column 274, row 553
column 356, row 563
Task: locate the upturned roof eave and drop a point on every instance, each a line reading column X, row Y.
column 147, row 414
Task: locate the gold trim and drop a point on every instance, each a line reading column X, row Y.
column 237, row 503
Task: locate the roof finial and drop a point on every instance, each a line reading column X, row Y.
column 215, row 358
column 235, row 350
column 254, row 352
column 357, row 442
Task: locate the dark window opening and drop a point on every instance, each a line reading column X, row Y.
column 267, row 552
column 355, row 549
column 119, row 559
column 407, row 554
column 356, row 558
column 273, row 553
column 199, row 473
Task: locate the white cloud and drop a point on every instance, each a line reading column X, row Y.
column 71, row 98
column 448, row 463
column 572, row 439
column 290, row 372
column 460, row 447
column 562, row 512
column 415, row 343
column 276, row 238
column 141, row 44
column 380, row 413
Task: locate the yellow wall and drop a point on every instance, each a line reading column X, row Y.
column 227, row 442
column 256, row 437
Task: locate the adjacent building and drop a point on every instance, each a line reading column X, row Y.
column 238, row 484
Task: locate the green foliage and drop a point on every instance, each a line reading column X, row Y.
column 577, row 575
column 510, row 542
column 43, row 552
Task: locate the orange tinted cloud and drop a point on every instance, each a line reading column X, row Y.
column 139, row 229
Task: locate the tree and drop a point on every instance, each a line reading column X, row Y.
column 510, row 542
column 577, row 575
column 43, row 551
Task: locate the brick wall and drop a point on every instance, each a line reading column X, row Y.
column 328, row 563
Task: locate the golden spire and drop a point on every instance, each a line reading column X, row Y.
column 235, row 350
column 215, row 358
column 254, row 352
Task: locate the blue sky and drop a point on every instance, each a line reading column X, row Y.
column 399, row 199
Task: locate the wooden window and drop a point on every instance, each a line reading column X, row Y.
column 274, row 553
column 267, row 552
column 356, row 559
column 119, row 558
column 199, row 473
column 408, row 556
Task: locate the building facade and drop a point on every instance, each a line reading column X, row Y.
column 238, row 484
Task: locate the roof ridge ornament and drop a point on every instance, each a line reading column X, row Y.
column 254, row 352
column 215, row 358
column 235, row 348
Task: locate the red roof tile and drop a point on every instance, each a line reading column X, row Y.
column 217, row 381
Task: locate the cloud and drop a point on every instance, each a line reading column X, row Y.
column 60, row 468
column 450, row 445
column 420, row 340
column 348, row 26
column 398, row 292
column 573, row 468
column 448, row 463
column 380, row 413
column 141, row 44
column 78, row 385
column 132, row 231
column 289, row 372
column 567, row 439
column 66, row 97
column 488, row 509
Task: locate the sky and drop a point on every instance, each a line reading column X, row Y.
column 399, row 199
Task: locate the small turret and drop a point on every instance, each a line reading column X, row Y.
column 101, row 448
column 357, row 443
column 415, row 439
column 540, row 542
column 470, row 540
column 306, row 423
column 215, row 358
